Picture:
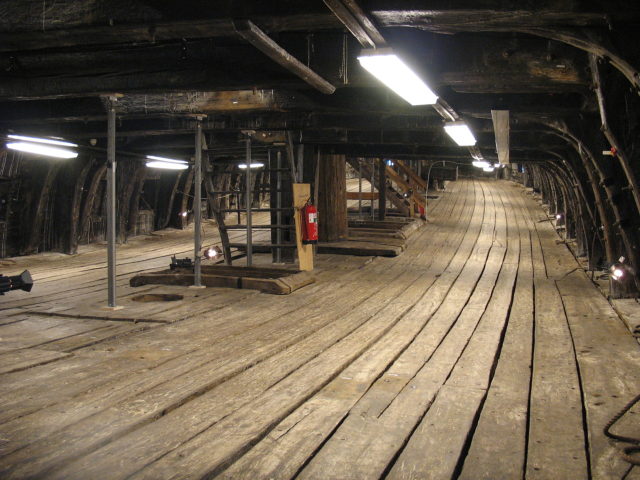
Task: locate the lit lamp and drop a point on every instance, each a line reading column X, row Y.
column 387, row 67
column 243, row 166
column 619, row 270
column 166, row 163
column 212, row 253
column 47, row 147
column 480, row 164
column 460, row 133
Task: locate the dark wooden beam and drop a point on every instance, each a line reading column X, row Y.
column 437, row 20
column 259, row 39
column 357, row 22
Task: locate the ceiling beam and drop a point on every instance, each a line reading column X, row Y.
column 357, row 22
column 442, row 21
column 256, row 37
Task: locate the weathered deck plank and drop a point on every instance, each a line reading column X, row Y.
column 410, row 367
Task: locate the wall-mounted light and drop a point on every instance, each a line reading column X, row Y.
column 460, row 133
column 387, row 67
column 47, row 147
column 166, row 163
column 251, row 165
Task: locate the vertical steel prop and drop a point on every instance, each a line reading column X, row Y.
column 373, row 169
column 249, row 200
column 197, row 208
column 279, row 206
column 111, row 203
column 359, row 189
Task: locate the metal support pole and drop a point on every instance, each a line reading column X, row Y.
column 249, row 200
column 373, row 170
column 197, row 207
column 111, row 204
column 382, row 189
column 279, row 206
column 359, row 188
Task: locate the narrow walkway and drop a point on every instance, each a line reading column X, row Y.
column 482, row 352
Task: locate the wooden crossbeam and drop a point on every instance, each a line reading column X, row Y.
column 256, row 37
column 357, row 22
column 362, row 195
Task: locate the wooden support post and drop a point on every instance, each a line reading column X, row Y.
column 301, row 195
column 332, row 201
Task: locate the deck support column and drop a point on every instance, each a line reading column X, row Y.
column 332, row 201
column 111, row 204
column 197, row 207
column 382, row 189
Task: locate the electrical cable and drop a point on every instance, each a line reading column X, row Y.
column 628, row 451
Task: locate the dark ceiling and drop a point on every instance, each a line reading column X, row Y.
column 169, row 61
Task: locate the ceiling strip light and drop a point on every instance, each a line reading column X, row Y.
column 167, row 165
column 251, row 165
column 41, row 149
column 460, row 133
column 47, row 141
column 387, row 67
column 164, row 159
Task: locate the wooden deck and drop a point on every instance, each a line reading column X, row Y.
column 482, row 352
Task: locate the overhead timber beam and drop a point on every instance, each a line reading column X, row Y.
column 357, row 22
column 256, row 37
column 440, row 21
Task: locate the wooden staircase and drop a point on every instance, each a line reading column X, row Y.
column 404, row 188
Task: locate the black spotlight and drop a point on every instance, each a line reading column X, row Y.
column 17, row 282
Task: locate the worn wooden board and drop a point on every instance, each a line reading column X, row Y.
column 302, row 195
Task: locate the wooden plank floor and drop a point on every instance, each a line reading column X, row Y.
column 480, row 352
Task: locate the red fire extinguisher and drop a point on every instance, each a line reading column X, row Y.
column 309, row 224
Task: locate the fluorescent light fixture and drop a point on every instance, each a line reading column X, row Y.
column 480, row 164
column 251, row 165
column 460, row 133
column 167, row 165
column 42, row 149
column 385, row 65
column 47, row 141
column 163, row 159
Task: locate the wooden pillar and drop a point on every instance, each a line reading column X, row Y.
column 90, row 202
column 74, row 214
column 37, row 214
column 332, row 201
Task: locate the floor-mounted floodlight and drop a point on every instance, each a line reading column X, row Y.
column 47, row 147
column 243, row 166
column 166, row 163
column 387, row 67
column 460, row 133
